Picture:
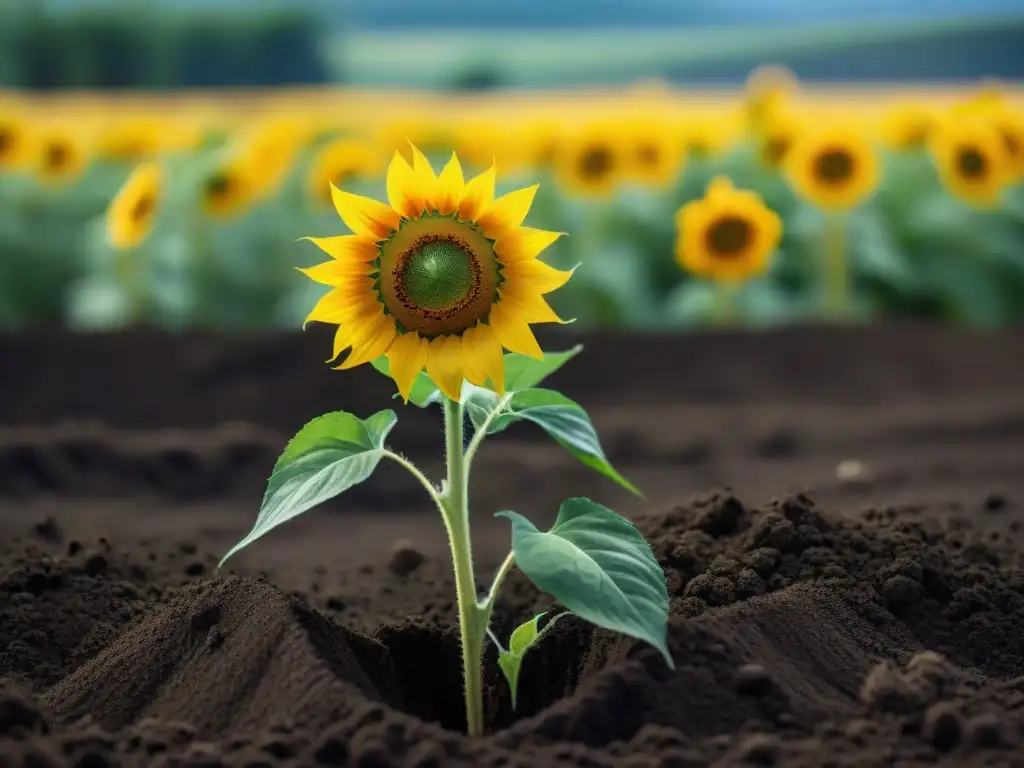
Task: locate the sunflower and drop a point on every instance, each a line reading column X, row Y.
column 339, row 162
column 270, row 151
column 1010, row 125
column 654, row 153
column 768, row 89
column 133, row 211
column 590, row 161
column 61, row 157
column 908, row 126
column 227, row 190
column 442, row 278
column 972, row 159
column 729, row 235
column 15, row 142
column 834, row 166
column 776, row 137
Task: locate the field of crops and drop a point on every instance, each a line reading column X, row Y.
column 186, row 210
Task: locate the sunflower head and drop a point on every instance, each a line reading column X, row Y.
column 768, row 89
column 834, row 167
column 972, row 159
column 16, row 142
column 338, row 163
column 653, row 151
column 227, row 190
column 591, row 161
column 134, row 210
column 776, row 137
column 728, row 235
column 908, row 127
column 61, row 157
column 441, row 278
column 1010, row 125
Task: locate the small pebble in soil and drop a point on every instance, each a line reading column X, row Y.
column 406, row 557
column 48, row 530
column 852, row 471
column 753, row 680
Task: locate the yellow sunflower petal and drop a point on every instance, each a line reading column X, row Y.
column 445, row 365
column 406, row 357
column 402, row 193
column 528, row 305
column 336, row 272
column 515, row 334
column 339, row 306
column 478, row 195
column 348, row 248
column 364, row 215
column 481, row 349
column 720, row 185
column 507, row 212
column 523, row 243
column 450, row 186
column 372, row 343
column 535, row 275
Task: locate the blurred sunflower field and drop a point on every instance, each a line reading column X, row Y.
column 776, row 204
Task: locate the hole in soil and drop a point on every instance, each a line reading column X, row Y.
column 428, row 663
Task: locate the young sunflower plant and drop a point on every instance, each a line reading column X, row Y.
column 431, row 289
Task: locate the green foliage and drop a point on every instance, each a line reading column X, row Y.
column 563, row 419
column 523, row 637
column 113, row 46
column 599, row 567
column 329, row 455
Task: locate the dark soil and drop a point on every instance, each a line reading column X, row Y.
column 837, row 512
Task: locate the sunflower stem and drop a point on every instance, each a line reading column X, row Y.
column 473, row 617
column 836, row 269
column 725, row 303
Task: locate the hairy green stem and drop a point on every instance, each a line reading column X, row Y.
column 472, row 616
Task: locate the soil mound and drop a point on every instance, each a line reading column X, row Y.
column 228, row 655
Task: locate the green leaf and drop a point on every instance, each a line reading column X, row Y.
column 560, row 417
column 510, row 665
column 524, row 635
column 522, row 372
column 598, row 566
column 511, row 660
column 424, row 392
column 329, row 455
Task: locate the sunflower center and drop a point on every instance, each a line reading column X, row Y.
column 834, row 166
column 142, row 208
column 971, row 163
column 57, row 156
column 438, row 276
column 648, row 155
column 218, row 186
column 595, row 162
column 729, row 236
column 6, row 141
column 775, row 149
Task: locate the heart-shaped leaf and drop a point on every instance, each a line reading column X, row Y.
column 326, row 457
column 598, row 566
column 556, row 414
